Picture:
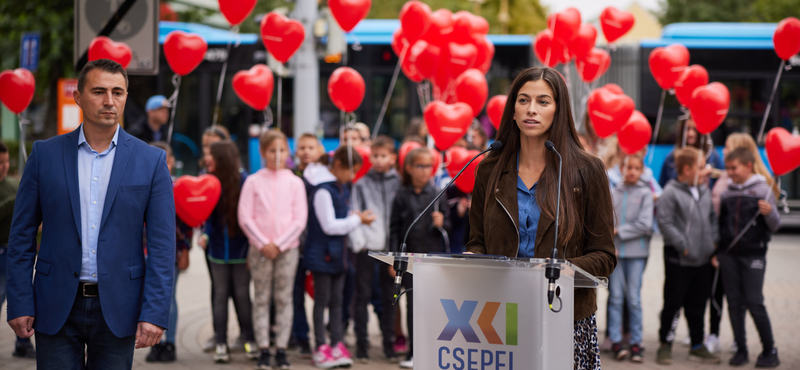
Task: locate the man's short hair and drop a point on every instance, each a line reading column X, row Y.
column 743, row 155
column 163, row 146
column 686, row 156
column 105, row 65
column 3, row 148
column 383, row 142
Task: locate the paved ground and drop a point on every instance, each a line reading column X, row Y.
column 782, row 291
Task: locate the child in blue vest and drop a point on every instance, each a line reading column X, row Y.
column 329, row 222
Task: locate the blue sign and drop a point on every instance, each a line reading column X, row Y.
column 29, row 58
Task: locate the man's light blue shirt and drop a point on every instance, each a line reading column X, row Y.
column 94, row 172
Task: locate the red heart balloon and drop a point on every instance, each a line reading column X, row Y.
column 692, row 77
column 461, row 57
column 467, row 26
column 16, row 89
column 184, row 51
column 346, row 89
column 447, row 122
column 635, row 134
column 236, row 11
column 471, row 88
column 709, row 106
column 104, row 48
column 565, row 24
column 366, row 164
column 667, row 64
column 441, row 27
column 196, row 197
column 594, row 65
column 783, row 151
column 549, row 51
column 609, row 111
column 443, row 82
column 410, row 70
column 483, row 60
column 415, row 19
column 399, row 42
column 614, row 88
column 254, row 87
column 787, row 38
column 615, row 23
column 494, row 109
column 422, row 60
column 459, row 157
column 282, row 36
column 408, row 146
column 349, row 12
column 583, row 43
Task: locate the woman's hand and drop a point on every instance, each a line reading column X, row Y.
column 392, row 273
column 183, row 260
column 367, row 217
column 438, row 219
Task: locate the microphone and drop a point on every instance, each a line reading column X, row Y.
column 401, row 263
column 552, row 271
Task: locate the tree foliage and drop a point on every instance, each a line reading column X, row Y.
column 727, row 10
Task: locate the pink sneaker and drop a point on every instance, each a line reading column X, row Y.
column 400, row 344
column 341, row 355
column 323, row 359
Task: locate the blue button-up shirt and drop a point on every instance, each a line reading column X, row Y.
column 94, row 172
column 529, row 213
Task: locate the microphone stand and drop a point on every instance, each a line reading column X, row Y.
column 552, row 270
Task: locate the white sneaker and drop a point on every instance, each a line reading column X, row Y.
column 712, row 343
column 688, row 340
column 210, row 344
column 407, row 364
column 252, row 350
column 221, row 354
column 238, row 345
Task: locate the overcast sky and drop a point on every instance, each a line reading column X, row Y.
column 591, row 9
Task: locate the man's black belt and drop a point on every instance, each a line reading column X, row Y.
column 88, row 290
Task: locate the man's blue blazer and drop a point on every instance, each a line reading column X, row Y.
column 131, row 288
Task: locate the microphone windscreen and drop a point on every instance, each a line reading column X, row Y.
column 549, row 145
column 496, row 145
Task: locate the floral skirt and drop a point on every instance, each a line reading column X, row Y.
column 586, row 351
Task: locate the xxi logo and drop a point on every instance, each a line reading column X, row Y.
column 459, row 319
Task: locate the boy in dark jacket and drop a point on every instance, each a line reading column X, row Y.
column 748, row 217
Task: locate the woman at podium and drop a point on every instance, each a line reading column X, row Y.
column 514, row 201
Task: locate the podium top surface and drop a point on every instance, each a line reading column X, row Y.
column 582, row 279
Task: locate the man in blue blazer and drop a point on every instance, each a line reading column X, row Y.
column 92, row 190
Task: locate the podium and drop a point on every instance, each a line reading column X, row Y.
column 476, row 312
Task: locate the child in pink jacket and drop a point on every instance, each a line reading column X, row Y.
column 273, row 212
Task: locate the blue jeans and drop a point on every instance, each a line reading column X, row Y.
column 172, row 330
column 85, row 326
column 626, row 281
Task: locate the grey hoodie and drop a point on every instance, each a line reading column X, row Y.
column 633, row 205
column 375, row 191
column 688, row 224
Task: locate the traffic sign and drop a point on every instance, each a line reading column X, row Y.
column 29, row 58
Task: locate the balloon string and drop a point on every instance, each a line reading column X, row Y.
column 279, row 122
column 438, row 175
column 356, row 43
column 22, row 149
column 173, row 100
column 267, row 119
column 344, row 51
column 769, row 103
column 217, row 106
column 389, row 93
column 658, row 126
column 584, row 102
column 421, row 95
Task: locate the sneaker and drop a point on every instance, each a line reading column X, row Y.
column 221, row 354
column 362, row 357
column 263, row 360
column 305, row 349
column 252, row 351
column 619, row 352
column 155, row 353
column 712, row 343
column 768, row 359
column 323, row 359
column 391, row 356
column 400, row 344
column 687, row 341
column 238, row 345
column 407, row 364
column 280, row 360
column 210, row 345
column 664, row 354
column 341, row 355
column 701, row 354
column 739, row 359
column 168, row 354
column 636, row 353
column 606, row 345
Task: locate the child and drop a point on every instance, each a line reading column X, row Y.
column 309, row 150
column 412, row 198
column 273, row 212
column 633, row 205
column 688, row 222
column 227, row 251
column 742, row 261
column 375, row 191
column 165, row 351
column 328, row 224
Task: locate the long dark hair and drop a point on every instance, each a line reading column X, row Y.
column 226, row 169
column 563, row 134
column 702, row 142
